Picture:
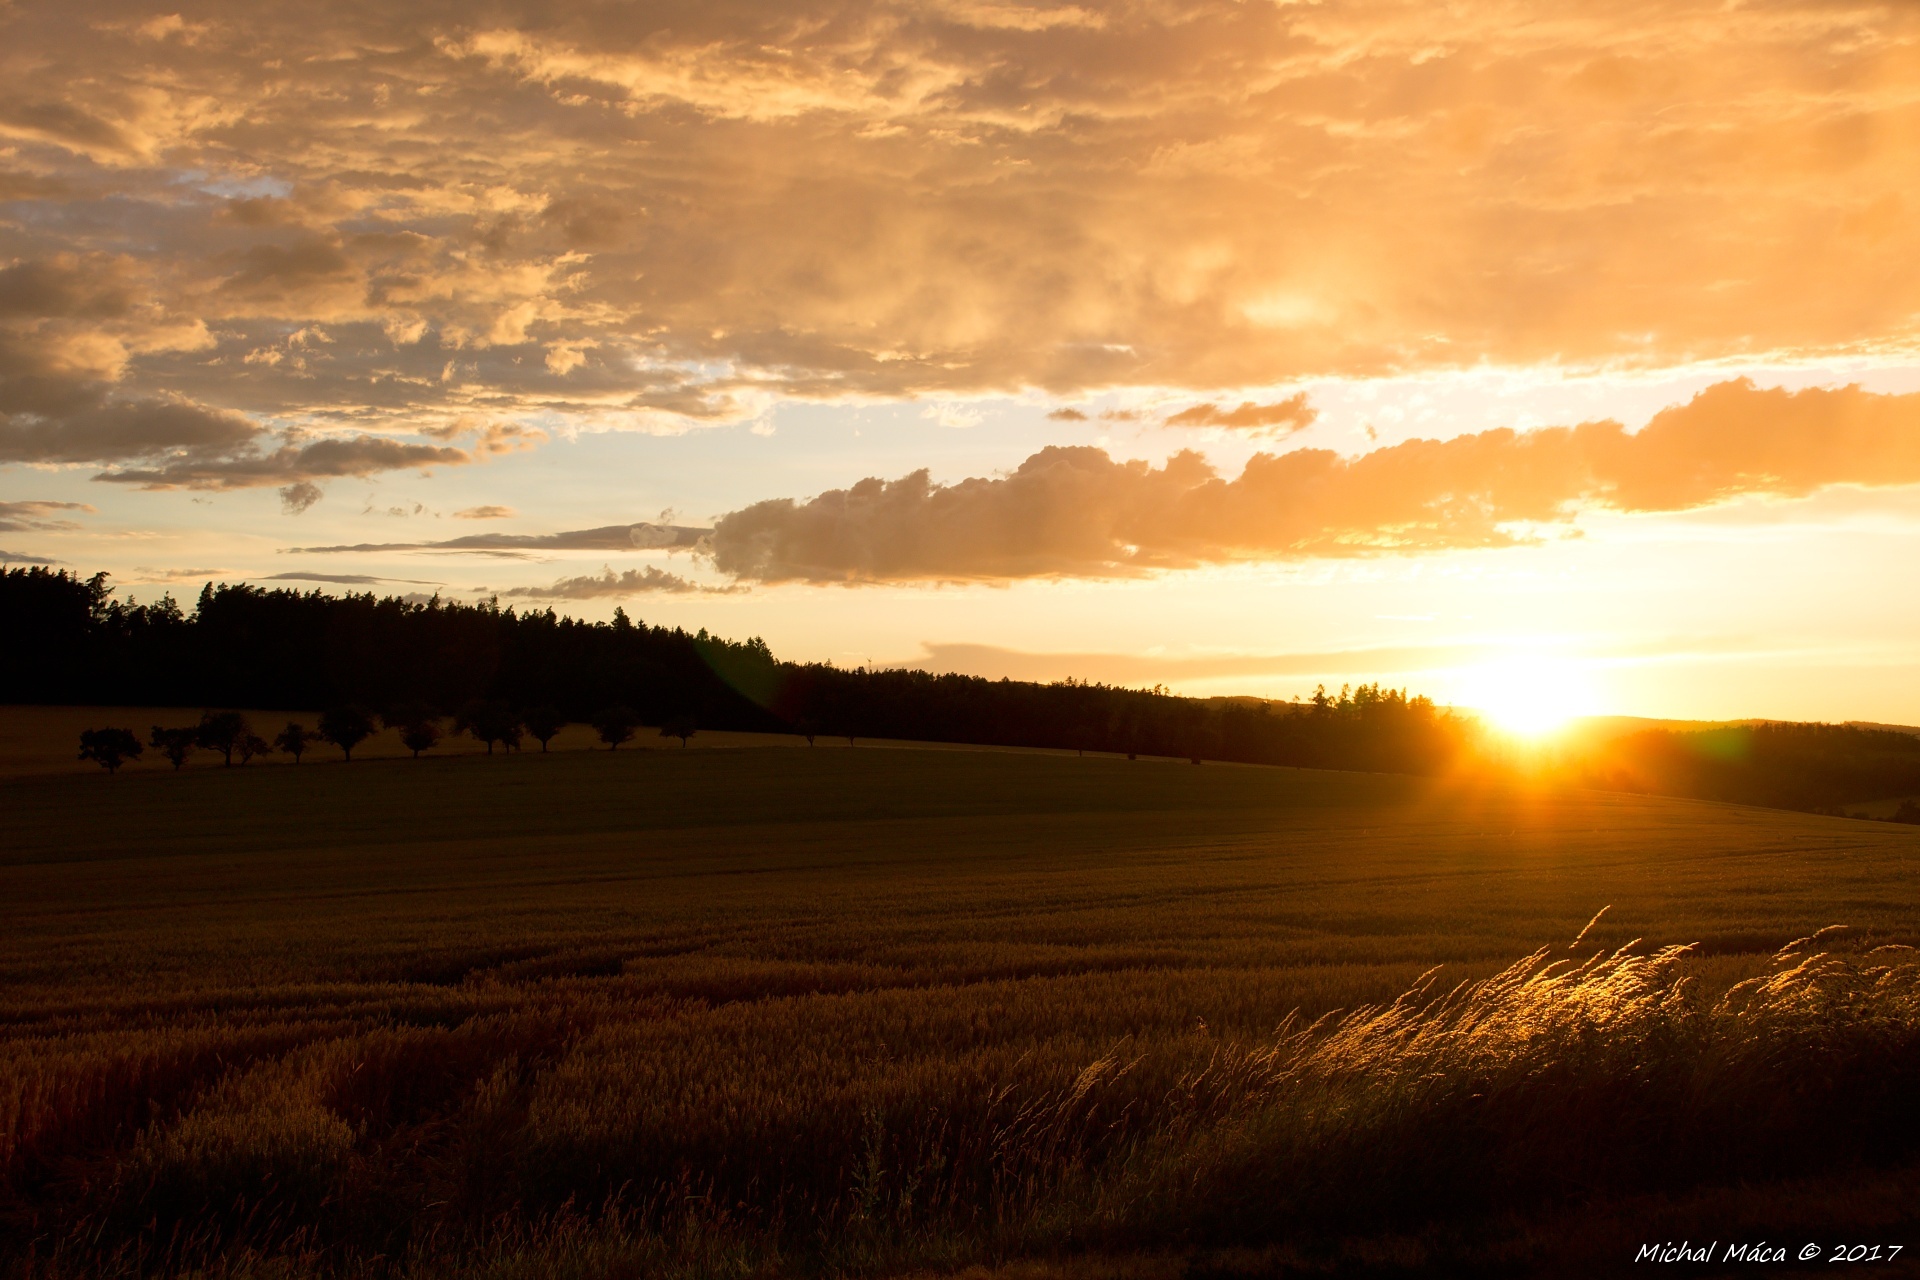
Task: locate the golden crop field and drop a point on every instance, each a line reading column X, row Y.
column 767, row 1010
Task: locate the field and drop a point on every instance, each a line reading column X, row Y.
column 767, row 1010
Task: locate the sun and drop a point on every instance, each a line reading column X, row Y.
column 1529, row 695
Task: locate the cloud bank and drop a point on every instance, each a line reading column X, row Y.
column 395, row 219
column 1078, row 512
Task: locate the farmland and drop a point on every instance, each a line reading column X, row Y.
column 764, row 1009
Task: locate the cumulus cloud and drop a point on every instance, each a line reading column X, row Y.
column 70, row 324
column 72, row 328
column 1078, row 512
column 22, row 517
column 300, row 495
column 489, row 511
column 1281, row 418
column 62, row 287
column 610, row 585
column 613, row 537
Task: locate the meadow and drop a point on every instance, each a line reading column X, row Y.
column 752, row 1009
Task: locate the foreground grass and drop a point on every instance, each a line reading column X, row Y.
column 778, row 1011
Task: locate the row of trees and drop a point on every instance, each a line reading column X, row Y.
column 227, row 732
column 68, row 640
column 231, row 734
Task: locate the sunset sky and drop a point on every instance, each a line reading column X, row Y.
column 1236, row 346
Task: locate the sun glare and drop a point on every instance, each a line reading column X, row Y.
column 1528, row 694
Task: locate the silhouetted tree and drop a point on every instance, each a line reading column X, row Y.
column 419, row 727
column 295, row 739
column 543, row 722
column 1908, row 812
column 806, row 728
column 346, row 728
column 222, row 731
column 421, row 735
column 681, row 727
column 109, row 748
column 251, row 745
column 175, row 744
column 615, row 725
column 490, row 721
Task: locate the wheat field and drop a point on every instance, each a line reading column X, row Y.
column 767, row 1010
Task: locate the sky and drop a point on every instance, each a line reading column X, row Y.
column 1559, row 352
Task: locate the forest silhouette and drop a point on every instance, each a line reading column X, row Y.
column 496, row 671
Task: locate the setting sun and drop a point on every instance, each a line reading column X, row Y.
column 1529, row 694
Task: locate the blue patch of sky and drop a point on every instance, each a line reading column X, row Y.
column 235, row 186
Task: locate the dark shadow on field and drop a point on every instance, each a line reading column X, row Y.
column 408, row 801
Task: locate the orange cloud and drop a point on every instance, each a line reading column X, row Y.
column 608, row 585
column 540, row 211
column 1281, row 418
column 1077, row 512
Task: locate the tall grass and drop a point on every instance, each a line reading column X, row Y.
column 1553, row 1079
column 755, row 1142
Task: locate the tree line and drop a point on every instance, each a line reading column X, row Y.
column 411, row 663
